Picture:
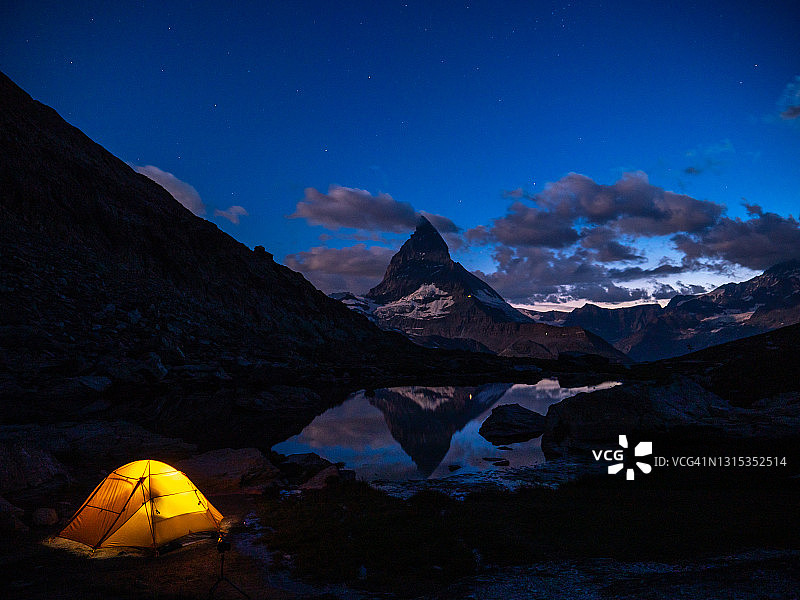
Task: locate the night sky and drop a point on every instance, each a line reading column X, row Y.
column 607, row 151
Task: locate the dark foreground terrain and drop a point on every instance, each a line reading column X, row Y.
column 600, row 537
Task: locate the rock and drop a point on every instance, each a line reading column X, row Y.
column 321, row 479
column 8, row 508
column 512, row 423
column 85, row 449
column 9, row 520
column 678, row 411
column 154, row 366
column 97, row 383
column 44, row 517
column 347, row 475
column 300, row 468
column 65, row 509
column 229, row 471
column 23, row 465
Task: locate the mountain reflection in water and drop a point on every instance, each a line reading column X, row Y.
column 412, row 432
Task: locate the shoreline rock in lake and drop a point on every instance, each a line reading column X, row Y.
column 511, row 423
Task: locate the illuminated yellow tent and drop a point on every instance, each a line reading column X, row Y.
column 145, row 503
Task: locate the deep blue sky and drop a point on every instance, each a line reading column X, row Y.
column 462, row 110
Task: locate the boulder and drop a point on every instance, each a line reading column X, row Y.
column 347, row 475
column 44, row 517
column 229, row 471
column 9, row 517
column 321, row 479
column 512, row 423
column 97, row 383
column 300, row 468
column 7, row 507
column 24, row 465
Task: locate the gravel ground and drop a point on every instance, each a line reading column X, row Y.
column 767, row 575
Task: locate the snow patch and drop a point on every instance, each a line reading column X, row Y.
column 359, row 304
column 427, row 302
column 496, row 301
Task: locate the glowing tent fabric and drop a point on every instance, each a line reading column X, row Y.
column 145, row 503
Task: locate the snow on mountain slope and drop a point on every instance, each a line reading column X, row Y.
column 437, row 302
column 427, row 302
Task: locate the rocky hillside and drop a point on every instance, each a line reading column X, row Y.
column 437, row 302
column 615, row 324
column 115, row 299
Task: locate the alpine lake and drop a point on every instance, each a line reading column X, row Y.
column 396, row 437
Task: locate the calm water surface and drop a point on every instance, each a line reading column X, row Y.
column 425, row 432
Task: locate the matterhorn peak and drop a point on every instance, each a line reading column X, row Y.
column 421, row 260
column 425, row 244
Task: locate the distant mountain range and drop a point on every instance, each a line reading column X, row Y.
column 438, row 303
column 688, row 323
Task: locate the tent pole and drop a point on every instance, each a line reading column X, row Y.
column 89, row 499
column 122, row 510
column 151, row 521
column 124, row 506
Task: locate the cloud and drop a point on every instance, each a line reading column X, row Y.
column 180, row 190
column 664, row 291
column 634, row 273
column 630, row 206
column 758, row 243
column 790, row 100
column 344, row 207
column 791, row 112
column 232, row 213
column 542, row 275
column 576, row 239
column 443, row 224
column 447, row 228
column 754, row 210
column 642, row 209
column 608, row 249
column 357, row 209
column 356, row 268
column 517, row 194
column 573, row 238
column 607, row 292
column 528, row 226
